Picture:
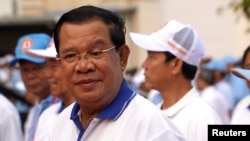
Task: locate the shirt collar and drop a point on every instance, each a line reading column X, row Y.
column 115, row 108
column 186, row 99
column 61, row 108
column 47, row 102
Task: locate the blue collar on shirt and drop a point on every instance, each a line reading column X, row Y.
column 248, row 107
column 61, row 108
column 115, row 108
column 112, row 111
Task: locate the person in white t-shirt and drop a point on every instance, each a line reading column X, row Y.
column 91, row 47
column 58, row 88
column 219, row 68
column 173, row 55
column 32, row 71
column 205, row 84
column 241, row 115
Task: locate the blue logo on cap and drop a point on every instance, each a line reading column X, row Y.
column 30, row 41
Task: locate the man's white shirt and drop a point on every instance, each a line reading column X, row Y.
column 46, row 122
column 135, row 123
column 191, row 115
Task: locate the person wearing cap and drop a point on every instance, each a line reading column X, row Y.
column 205, row 84
column 91, row 47
column 239, row 88
column 174, row 53
column 241, row 115
column 58, row 88
column 219, row 68
column 32, row 71
column 241, row 74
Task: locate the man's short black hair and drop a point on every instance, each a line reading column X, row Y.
column 87, row 13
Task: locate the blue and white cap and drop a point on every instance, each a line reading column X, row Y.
column 30, row 41
column 49, row 52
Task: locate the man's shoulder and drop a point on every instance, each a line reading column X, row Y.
column 199, row 109
column 141, row 106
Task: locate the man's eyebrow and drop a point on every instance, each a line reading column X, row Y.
column 99, row 41
column 68, row 49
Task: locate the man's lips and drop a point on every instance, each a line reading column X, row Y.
column 85, row 81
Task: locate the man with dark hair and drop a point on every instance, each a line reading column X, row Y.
column 174, row 54
column 90, row 43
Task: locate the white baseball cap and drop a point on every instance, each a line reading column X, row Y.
column 48, row 52
column 241, row 73
column 179, row 39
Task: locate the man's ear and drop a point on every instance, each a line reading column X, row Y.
column 176, row 65
column 124, row 54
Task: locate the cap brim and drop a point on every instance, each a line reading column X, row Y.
column 47, row 53
column 241, row 73
column 146, row 42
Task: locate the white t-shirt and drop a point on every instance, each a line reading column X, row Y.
column 243, row 103
column 130, row 117
column 241, row 114
column 242, row 117
column 227, row 91
column 33, row 116
column 192, row 115
column 46, row 122
column 216, row 100
column 10, row 123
